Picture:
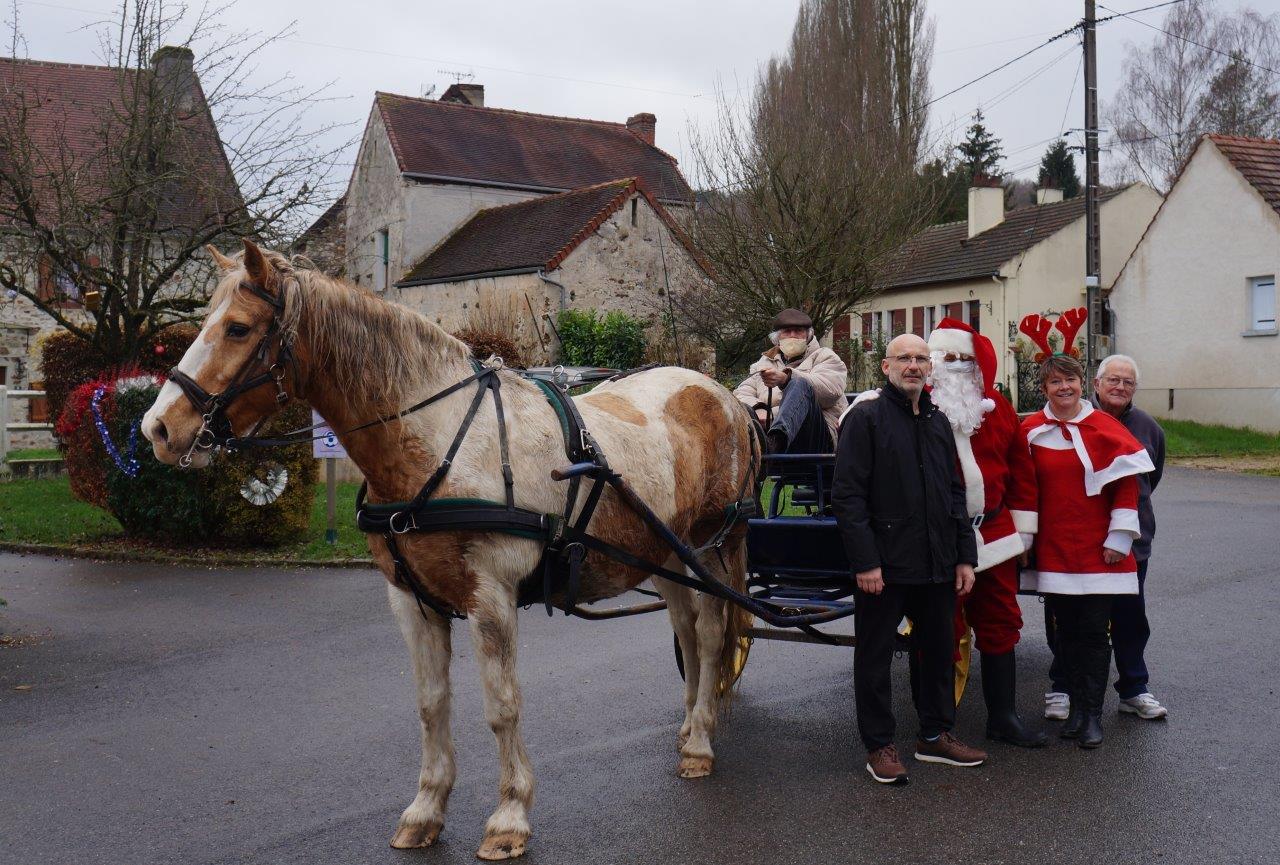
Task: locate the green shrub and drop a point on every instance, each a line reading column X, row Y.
column 619, row 341
column 168, row 504
column 577, row 331
column 237, row 521
column 162, row 502
column 615, row 340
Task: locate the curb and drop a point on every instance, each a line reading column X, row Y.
column 162, row 558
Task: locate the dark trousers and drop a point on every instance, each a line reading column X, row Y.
column 1130, row 631
column 800, row 419
column 1083, row 646
column 931, row 608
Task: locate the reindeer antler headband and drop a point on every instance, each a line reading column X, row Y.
column 1068, row 324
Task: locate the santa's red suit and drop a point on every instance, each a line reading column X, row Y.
column 1000, row 491
column 1088, row 468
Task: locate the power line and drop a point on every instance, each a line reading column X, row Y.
column 1239, row 57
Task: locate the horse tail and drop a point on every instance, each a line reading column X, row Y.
column 737, row 620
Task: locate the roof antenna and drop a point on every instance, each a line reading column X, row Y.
column 457, row 75
column 426, row 92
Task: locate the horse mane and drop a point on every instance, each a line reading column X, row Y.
column 374, row 351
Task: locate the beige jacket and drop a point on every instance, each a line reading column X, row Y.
column 821, row 367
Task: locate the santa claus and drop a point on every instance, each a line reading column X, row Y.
column 1000, row 492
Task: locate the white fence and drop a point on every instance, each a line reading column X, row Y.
column 6, row 427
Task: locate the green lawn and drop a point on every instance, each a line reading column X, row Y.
column 1189, row 439
column 44, row 512
column 35, row 454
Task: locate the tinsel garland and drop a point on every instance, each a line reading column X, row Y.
column 130, row 465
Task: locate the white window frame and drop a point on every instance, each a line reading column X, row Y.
column 1262, row 306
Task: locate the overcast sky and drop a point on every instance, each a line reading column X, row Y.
column 607, row 61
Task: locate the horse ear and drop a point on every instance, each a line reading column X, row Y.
column 222, row 261
column 256, row 264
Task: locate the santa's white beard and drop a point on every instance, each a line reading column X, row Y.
column 959, row 396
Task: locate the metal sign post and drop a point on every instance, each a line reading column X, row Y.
column 327, row 447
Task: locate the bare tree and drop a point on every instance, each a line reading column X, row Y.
column 1206, row 72
column 106, row 200
column 813, row 184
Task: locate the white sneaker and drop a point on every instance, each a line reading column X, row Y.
column 1144, row 706
column 1057, row 706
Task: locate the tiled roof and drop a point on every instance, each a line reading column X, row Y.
column 531, row 235
column 512, row 148
column 945, row 253
column 1258, row 160
column 323, row 222
column 69, row 114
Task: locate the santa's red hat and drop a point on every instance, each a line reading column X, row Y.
column 956, row 336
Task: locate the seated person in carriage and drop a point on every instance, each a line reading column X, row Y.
column 799, row 385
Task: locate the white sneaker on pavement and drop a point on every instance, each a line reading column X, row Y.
column 1057, row 706
column 1144, row 706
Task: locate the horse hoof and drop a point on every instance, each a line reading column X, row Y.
column 415, row 835
column 695, row 767
column 504, row 845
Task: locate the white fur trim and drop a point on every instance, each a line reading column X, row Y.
column 1129, row 464
column 975, row 490
column 946, row 339
column 1119, row 542
column 1053, row 583
column 1125, row 520
column 999, row 550
column 1050, row 435
column 988, row 405
column 1027, row 522
column 865, row 396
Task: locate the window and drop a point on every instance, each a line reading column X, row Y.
column 917, row 321
column 634, row 202
column 56, row 284
column 898, row 322
column 1262, row 304
column 975, row 314
column 381, row 260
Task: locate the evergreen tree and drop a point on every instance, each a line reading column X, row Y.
column 1058, row 168
column 980, row 152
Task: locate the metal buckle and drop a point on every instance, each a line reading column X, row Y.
column 585, row 439
column 976, row 522
column 410, row 525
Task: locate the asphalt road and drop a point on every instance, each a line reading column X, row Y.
column 229, row 716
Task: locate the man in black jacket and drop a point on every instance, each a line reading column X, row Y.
column 900, row 504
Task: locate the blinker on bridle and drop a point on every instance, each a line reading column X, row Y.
column 216, row 427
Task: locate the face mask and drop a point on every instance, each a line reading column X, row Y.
column 792, row 348
column 959, row 366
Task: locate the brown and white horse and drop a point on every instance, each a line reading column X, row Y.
column 680, row 439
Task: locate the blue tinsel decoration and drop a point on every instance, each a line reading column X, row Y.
column 130, row 465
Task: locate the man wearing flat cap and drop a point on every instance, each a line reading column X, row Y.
column 802, row 382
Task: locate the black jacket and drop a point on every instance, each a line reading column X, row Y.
column 897, row 492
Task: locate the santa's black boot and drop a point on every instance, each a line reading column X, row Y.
column 999, row 689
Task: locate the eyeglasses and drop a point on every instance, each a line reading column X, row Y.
column 917, row 359
column 1116, row 381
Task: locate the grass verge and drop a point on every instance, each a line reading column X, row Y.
column 34, row 454
column 1190, row 439
column 44, row 512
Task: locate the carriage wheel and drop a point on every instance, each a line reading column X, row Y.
column 739, row 663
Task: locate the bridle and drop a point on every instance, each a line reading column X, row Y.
column 216, row 429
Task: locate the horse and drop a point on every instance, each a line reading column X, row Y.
column 681, row 440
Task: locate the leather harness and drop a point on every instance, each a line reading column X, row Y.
column 565, row 540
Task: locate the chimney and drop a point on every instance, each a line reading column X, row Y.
column 643, row 126
column 466, row 94
column 174, row 68
column 986, row 204
column 1048, row 195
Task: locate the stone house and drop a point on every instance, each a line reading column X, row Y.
column 1196, row 302
column 996, row 267
column 612, row 246
column 427, row 170
column 65, row 112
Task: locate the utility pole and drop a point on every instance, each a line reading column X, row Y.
column 1092, row 244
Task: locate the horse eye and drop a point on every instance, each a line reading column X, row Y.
column 237, row 330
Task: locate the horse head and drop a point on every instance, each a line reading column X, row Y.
column 238, row 371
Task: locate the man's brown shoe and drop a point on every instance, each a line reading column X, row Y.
column 950, row 750
column 885, row 767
